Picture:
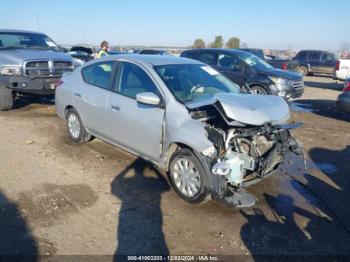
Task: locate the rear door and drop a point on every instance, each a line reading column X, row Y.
column 91, row 97
column 315, row 62
column 232, row 67
column 135, row 126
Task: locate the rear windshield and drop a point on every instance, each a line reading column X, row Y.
column 26, row 40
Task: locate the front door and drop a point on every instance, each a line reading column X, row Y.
column 135, row 126
column 232, row 67
column 328, row 62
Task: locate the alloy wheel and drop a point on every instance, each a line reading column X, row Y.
column 74, row 126
column 186, row 177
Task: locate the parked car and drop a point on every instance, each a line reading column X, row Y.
column 343, row 101
column 244, row 68
column 342, row 69
column 183, row 116
column 29, row 63
column 82, row 52
column 277, row 62
column 152, row 52
column 316, row 61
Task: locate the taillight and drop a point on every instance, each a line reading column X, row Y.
column 346, row 86
column 337, row 65
column 58, row 82
column 284, row 66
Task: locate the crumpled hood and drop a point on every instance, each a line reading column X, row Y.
column 250, row 109
column 18, row 56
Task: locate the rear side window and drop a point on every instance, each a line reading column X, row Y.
column 134, row 80
column 99, row 74
column 208, row 58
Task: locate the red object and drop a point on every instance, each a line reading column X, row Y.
column 346, row 87
column 58, row 82
column 284, row 66
column 337, row 65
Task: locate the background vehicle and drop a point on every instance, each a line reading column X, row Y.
column 343, row 101
column 183, row 116
column 342, row 68
column 29, row 63
column 152, row 52
column 277, row 62
column 82, row 52
column 316, row 61
column 245, row 68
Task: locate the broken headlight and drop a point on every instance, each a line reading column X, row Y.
column 210, row 152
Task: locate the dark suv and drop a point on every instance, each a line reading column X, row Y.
column 315, row 61
column 244, row 68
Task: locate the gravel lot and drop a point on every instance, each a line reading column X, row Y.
column 57, row 198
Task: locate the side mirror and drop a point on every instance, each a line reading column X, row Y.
column 148, row 98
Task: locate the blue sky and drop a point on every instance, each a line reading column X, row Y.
column 260, row 23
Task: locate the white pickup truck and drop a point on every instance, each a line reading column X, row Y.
column 342, row 69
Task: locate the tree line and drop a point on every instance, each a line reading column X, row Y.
column 233, row 42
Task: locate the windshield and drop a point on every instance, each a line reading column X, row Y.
column 26, row 40
column 193, row 82
column 254, row 61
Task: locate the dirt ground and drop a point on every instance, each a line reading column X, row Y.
column 57, row 198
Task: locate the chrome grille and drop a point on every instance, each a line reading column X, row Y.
column 298, row 84
column 47, row 68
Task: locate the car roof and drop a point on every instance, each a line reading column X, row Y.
column 153, row 60
column 223, row 50
column 314, row 51
column 19, row 31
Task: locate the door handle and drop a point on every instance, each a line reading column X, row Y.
column 77, row 94
column 115, row 107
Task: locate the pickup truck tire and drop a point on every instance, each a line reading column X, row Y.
column 258, row 90
column 76, row 129
column 188, row 177
column 6, row 98
column 303, row 70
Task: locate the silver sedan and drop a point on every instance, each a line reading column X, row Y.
column 183, row 116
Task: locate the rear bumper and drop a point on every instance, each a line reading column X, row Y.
column 37, row 86
column 343, row 102
column 341, row 75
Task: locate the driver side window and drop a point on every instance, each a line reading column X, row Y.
column 134, row 80
column 230, row 62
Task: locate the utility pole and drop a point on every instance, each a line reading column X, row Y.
column 38, row 22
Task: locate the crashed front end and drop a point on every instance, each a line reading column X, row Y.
column 242, row 154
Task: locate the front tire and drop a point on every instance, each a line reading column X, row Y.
column 303, row 70
column 76, row 129
column 6, row 98
column 188, row 177
column 258, row 90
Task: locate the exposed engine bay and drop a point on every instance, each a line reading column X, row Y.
column 244, row 154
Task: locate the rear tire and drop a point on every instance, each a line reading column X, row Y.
column 188, row 176
column 6, row 98
column 258, row 90
column 303, row 70
column 76, row 129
